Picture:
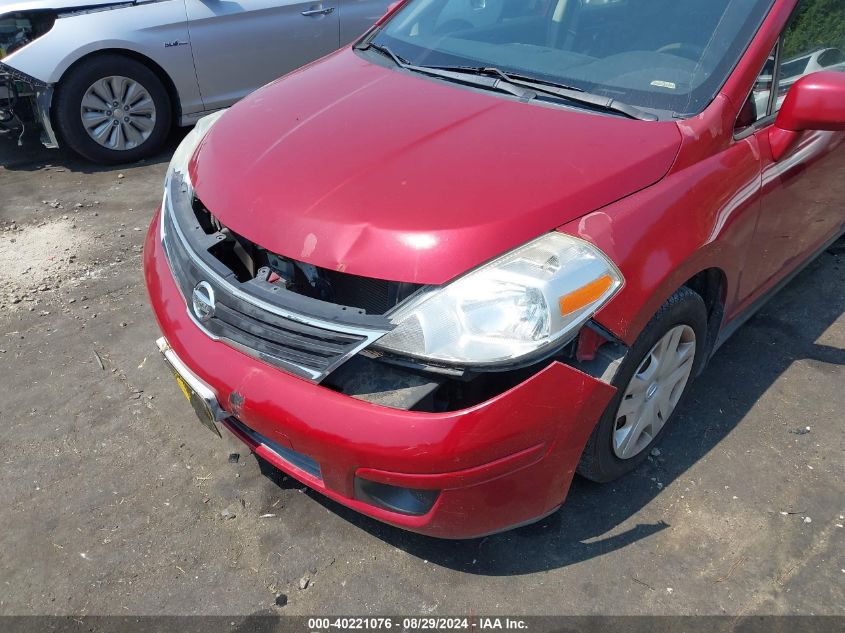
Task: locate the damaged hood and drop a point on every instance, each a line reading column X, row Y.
column 356, row 167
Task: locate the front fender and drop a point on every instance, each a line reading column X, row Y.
column 700, row 217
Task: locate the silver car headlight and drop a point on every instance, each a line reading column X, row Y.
column 530, row 300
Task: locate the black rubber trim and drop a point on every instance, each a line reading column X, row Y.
column 299, row 460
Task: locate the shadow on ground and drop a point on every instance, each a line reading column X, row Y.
column 587, row 526
column 31, row 156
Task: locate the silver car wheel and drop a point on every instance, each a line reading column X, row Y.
column 654, row 392
column 118, row 113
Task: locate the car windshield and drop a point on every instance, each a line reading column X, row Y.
column 666, row 55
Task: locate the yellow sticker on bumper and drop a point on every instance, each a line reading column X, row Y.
column 184, row 387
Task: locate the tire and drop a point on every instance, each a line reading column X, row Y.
column 606, row 455
column 134, row 130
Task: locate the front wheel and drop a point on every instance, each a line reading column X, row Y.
column 112, row 109
column 651, row 383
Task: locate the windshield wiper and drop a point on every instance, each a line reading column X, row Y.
column 510, row 76
column 475, row 79
column 385, row 50
column 518, row 85
column 542, row 86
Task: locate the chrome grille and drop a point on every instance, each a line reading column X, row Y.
column 300, row 344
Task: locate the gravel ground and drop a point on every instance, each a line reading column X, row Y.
column 116, row 501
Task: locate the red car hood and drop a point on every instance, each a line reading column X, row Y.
column 377, row 172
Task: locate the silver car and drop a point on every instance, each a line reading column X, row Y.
column 109, row 78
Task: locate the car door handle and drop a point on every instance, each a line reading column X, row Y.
column 313, row 12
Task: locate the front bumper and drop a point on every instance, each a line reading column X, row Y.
column 500, row 464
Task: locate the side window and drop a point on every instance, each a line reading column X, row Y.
column 757, row 106
column 813, row 41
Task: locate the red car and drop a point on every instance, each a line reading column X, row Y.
column 488, row 246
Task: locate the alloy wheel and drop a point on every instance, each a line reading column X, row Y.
column 118, row 113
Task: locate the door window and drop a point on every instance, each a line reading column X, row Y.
column 756, row 107
column 814, row 40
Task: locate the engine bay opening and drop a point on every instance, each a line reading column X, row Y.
column 249, row 261
column 19, row 29
column 398, row 384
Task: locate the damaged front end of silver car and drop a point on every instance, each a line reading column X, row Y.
column 24, row 100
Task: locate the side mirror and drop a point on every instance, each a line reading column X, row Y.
column 815, row 102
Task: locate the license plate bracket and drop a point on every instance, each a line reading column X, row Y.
column 200, row 406
column 202, row 399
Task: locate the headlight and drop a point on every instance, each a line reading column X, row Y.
column 182, row 155
column 19, row 29
column 178, row 189
column 528, row 301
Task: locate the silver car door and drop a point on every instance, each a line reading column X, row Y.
column 356, row 16
column 240, row 45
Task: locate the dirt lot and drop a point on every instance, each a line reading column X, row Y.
column 116, row 501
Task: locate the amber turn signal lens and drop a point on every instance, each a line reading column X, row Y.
column 585, row 295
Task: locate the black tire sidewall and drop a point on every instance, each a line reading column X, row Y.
column 68, row 100
column 685, row 307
